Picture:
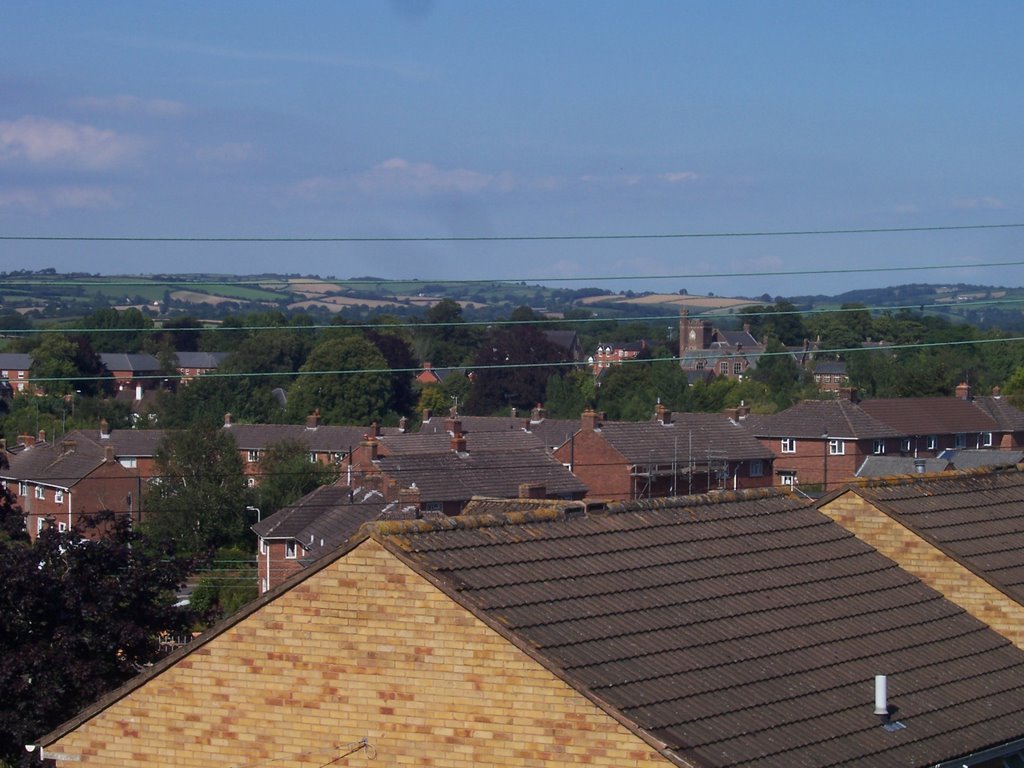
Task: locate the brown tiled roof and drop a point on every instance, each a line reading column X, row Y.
column 695, row 435
column 324, row 438
column 975, row 516
column 459, row 477
column 930, row 415
column 739, row 633
column 1002, row 412
column 551, row 432
column 740, row 629
column 58, row 465
column 476, row 442
column 811, row 419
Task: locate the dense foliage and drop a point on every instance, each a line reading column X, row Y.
column 77, row 618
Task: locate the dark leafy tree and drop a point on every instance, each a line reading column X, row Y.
column 781, row 320
column 118, row 330
column 78, row 617
column 445, row 340
column 529, row 354
column 400, row 360
column 200, row 498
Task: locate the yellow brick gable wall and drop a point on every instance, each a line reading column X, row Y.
column 365, row 648
column 929, row 564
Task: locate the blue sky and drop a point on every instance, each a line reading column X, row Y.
column 434, row 118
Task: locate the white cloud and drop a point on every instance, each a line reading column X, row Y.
column 41, row 141
column 45, row 199
column 979, row 203
column 401, row 176
column 677, row 177
column 132, row 105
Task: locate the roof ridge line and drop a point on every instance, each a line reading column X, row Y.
column 462, row 522
column 896, row 480
column 698, row 499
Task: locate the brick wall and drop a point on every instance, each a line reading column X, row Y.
column 598, row 466
column 929, row 564
column 362, row 648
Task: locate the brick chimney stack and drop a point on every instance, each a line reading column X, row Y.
column 104, row 429
column 532, row 491
column 313, row 420
column 228, row 419
column 410, row 497
column 590, row 421
column 662, row 415
column 459, row 442
column 963, row 391
column 370, row 444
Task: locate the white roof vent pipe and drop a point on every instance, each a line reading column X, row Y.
column 881, row 696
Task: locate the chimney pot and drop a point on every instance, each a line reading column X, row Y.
column 881, row 696
column 227, row 419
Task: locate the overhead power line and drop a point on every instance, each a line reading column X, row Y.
column 546, row 364
column 494, row 238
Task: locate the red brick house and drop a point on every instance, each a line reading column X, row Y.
column 192, row 364
column 15, row 369
column 326, row 444
column 671, row 456
column 82, row 474
column 132, row 370
column 831, row 375
column 615, row 353
column 822, row 442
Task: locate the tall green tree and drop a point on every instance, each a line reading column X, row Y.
column 528, row 355
column 199, row 499
column 346, row 378
column 78, row 617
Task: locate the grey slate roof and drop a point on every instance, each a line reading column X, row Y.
column 886, row 466
column 15, row 361
column 975, row 517
column 551, row 432
column 325, row 518
column 689, row 435
column 974, row 458
column 476, row 442
column 811, row 419
column 743, row 633
column 830, row 366
column 200, row 359
column 121, row 361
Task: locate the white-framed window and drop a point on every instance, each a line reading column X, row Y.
column 788, row 445
column 62, row 527
column 905, row 445
column 699, row 365
column 828, row 378
column 756, row 468
column 40, row 492
column 723, row 367
column 933, row 442
column 252, row 456
column 878, row 447
column 40, row 522
column 21, row 374
column 58, row 496
column 23, row 489
column 737, row 368
column 128, row 462
column 291, row 550
column 312, row 457
column 836, row 448
column 787, row 478
column 985, row 439
column 337, row 457
column 250, row 482
column 960, row 440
